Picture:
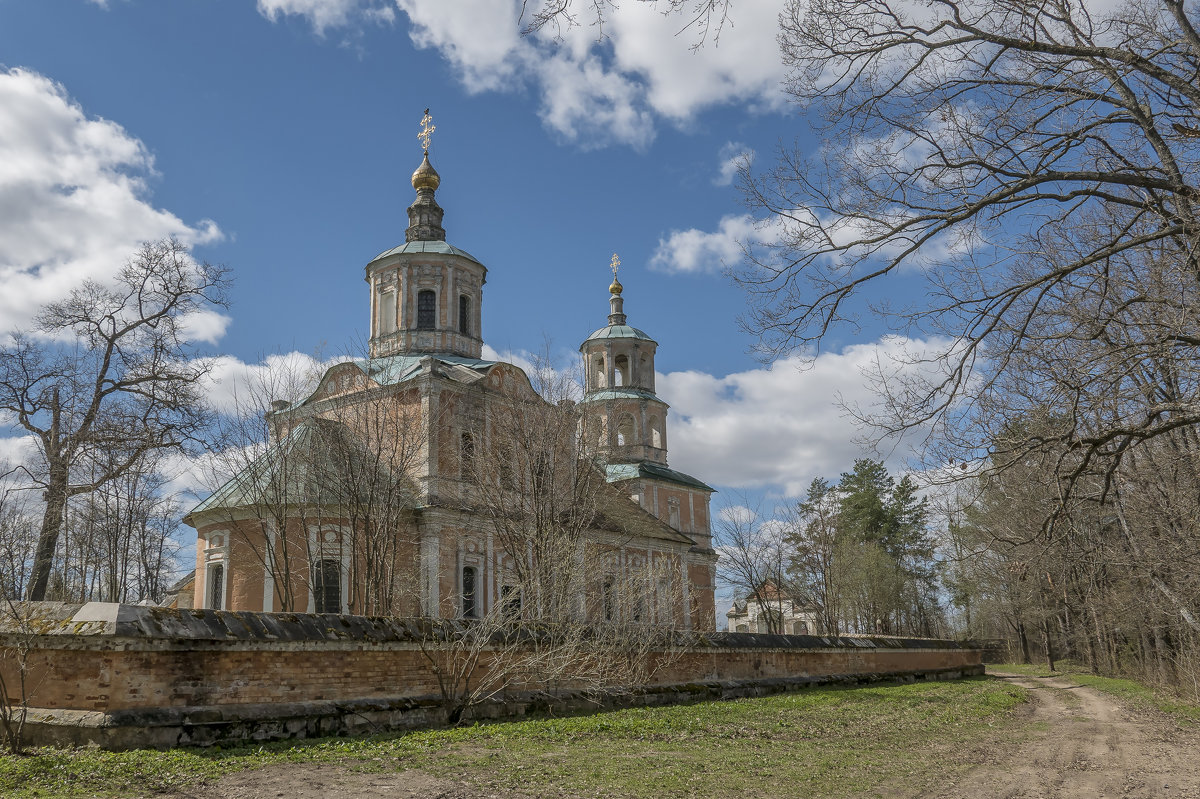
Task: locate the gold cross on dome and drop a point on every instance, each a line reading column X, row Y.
column 616, row 264
column 427, row 129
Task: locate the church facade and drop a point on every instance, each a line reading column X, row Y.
column 425, row 480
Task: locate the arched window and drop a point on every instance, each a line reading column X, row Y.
column 625, row 431
column 621, row 371
column 464, row 314
column 601, row 378
column 426, row 309
column 742, row 628
column 800, row 628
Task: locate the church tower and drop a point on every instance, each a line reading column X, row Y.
column 625, row 422
column 426, row 294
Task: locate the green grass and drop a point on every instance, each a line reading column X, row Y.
column 1129, row 691
column 821, row 743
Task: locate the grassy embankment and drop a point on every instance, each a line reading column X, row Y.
column 821, row 743
column 1128, row 691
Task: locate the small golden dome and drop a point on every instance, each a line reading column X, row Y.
column 615, row 287
column 426, row 177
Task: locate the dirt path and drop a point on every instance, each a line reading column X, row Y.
column 1085, row 745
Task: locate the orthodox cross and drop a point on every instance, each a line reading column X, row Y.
column 616, row 264
column 427, row 129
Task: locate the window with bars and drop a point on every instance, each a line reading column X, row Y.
column 327, row 586
column 426, row 309
column 216, row 587
column 464, row 315
column 466, row 456
column 470, row 594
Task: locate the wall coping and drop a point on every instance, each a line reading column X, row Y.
column 93, row 623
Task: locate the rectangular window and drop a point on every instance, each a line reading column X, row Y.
column 327, row 586
column 387, row 312
column 470, row 605
column 510, row 602
column 216, row 587
column 464, row 315
column 426, row 310
column 466, row 456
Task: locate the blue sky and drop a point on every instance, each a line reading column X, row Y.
column 278, row 138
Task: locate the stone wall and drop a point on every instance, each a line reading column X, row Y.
column 122, row 675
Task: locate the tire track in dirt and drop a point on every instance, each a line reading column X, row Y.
column 1085, row 745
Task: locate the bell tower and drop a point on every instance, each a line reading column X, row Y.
column 625, row 424
column 426, row 294
column 624, row 419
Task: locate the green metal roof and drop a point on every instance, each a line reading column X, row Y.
column 619, row 331
column 319, row 462
column 393, row 369
column 621, row 393
column 442, row 247
column 616, row 472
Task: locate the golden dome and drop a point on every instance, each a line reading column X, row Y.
column 426, row 177
column 615, row 287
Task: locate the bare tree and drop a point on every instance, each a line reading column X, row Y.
column 755, row 558
column 1026, row 157
column 18, row 535
column 109, row 369
column 588, row 597
column 270, row 476
column 18, row 680
column 706, row 18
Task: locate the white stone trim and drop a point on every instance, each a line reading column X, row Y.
column 328, row 542
column 216, row 553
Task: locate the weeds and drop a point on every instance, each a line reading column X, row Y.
column 826, row 742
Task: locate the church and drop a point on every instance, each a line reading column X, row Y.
column 425, row 480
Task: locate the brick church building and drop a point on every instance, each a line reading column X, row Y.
column 402, row 483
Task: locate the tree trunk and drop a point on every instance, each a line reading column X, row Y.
column 1048, row 641
column 52, row 523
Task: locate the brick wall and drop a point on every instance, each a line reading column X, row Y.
column 124, row 675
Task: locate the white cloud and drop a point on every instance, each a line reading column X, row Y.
column 480, row 38
column 73, row 198
column 733, row 156
column 325, row 14
column 235, row 387
column 780, row 426
column 841, row 240
column 16, row 450
column 585, row 102
column 205, row 325
column 744, row 66
column 591, row 92
column 695, row 250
